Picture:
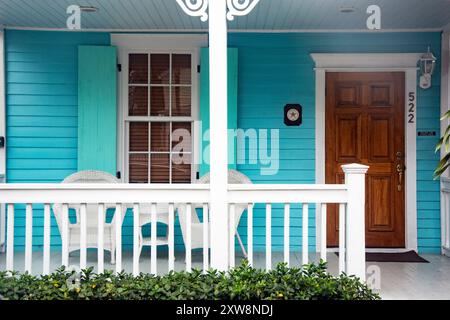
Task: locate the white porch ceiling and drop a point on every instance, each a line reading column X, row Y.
column 268, row 15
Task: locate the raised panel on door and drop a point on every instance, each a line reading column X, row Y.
column 380, row 203
column 381, row 94
column 381, row 138
column 348, row 137
column 348, row 94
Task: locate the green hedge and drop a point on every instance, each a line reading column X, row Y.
column 312, row 282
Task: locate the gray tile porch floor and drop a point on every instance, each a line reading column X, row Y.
column 398, row 280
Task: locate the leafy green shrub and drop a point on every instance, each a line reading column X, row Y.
column 312, row 282
column 444, row 142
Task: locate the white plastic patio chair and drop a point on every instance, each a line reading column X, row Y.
column 162, row 216
column 91, row 215
column 234, row 177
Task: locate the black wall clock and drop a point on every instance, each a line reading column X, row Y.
column 293, row 115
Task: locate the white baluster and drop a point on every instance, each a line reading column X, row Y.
column 188, row 237
column 231, row 229
column 10, row 241
column 136, row 244
column 65, row 235
column 305, row 216
column 342, row 237
column 205, row 237
column 28, row 237
column 83, row 235
column 250, row 234
column 47, row 235
column 268, row 236
column 118, row 224
column 286, row 233
column 101, row 238
column 171, row 233
column 154, row 257
column 323, row 231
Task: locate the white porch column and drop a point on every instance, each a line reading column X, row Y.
column 218, row 133
column 355, row 179
column 218, row 15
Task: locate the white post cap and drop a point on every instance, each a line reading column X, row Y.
column 355, row 168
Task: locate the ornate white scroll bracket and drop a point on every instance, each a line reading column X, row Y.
column 195, row 8
column 199, row 8
column 240, row 8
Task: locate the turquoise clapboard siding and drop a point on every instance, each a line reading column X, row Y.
column 42, row 113
column 97, row 108
column 274, row 69
column 232, row 67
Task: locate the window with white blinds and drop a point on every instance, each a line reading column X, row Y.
column 159, row 117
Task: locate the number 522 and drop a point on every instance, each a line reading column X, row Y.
column 411, row 107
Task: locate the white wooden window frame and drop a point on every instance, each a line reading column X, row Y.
column 372, row 62
column 155, row 44
column 127, row 119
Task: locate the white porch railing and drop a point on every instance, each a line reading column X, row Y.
column 445, row 215
column 124, row 196
column 349, row 196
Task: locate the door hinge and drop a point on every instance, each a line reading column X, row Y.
column 197, row 175
column 118, row 175
column 2, row 142
column 119, row 67
column 198, row 68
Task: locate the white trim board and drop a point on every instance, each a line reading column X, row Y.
column 365, row 62
column 2, row 101
column 2, row 134
column 445, row 104
column 159, row 41
column 205, row 30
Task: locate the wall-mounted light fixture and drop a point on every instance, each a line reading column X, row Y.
column 427, row 64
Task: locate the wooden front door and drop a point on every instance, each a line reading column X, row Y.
column 365, row 124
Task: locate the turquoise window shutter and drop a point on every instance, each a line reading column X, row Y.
column 97, row 108
column 232, row 106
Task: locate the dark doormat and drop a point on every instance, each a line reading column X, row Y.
column 410, row 256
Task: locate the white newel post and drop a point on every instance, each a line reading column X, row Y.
column 355, row 179
column 218, row 133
